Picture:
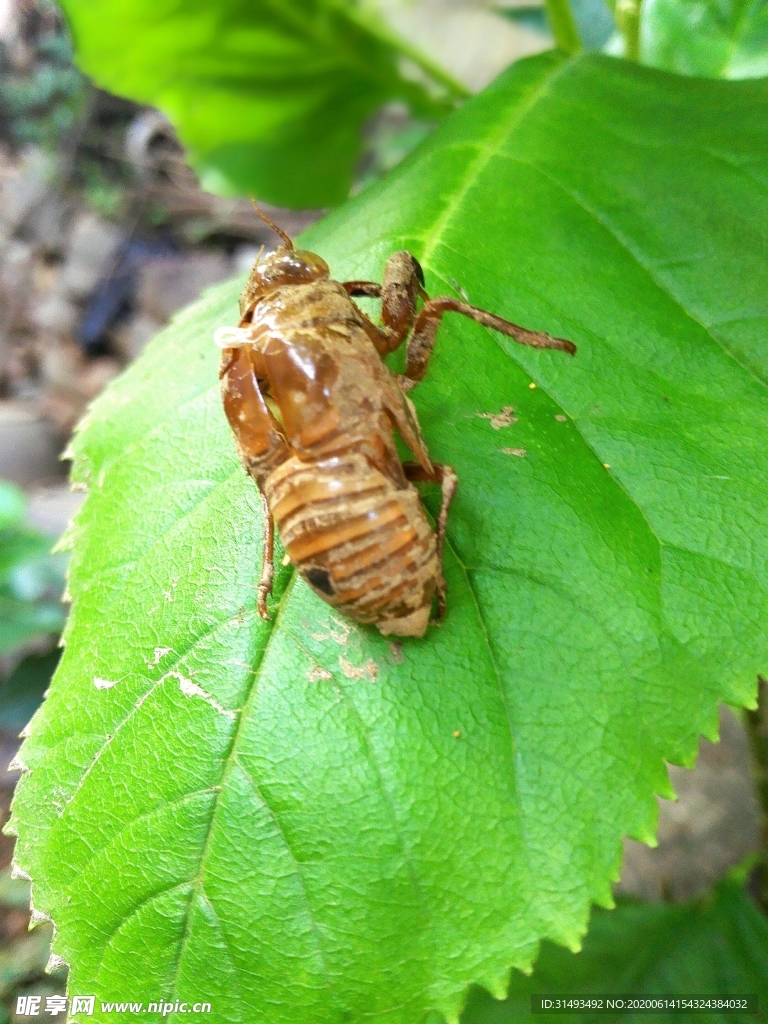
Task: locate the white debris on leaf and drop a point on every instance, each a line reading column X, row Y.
column 318, row 674
column 104, row 684
column 190, row 689
column 498, row 420
column 160, row 653
column 369, row 670
column 340, row 636
column 397, row 652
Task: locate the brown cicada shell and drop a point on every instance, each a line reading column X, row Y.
column 313, row 409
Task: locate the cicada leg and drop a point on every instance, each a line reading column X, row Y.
column 267, row 559
column 402, row 285
column 422, row 340
column 446, row 477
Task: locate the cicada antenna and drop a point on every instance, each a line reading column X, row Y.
column 279, row 231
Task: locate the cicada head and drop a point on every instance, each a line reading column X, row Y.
column 285, row 266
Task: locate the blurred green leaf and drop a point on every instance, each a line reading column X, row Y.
column 716, row 945
column 593, row 20
column 533, row 17
column 22, row 693
column 13, row 505
column 31, row 583
column 17, row 548
column 388, row 144
column 297, row 819
column 38, row 578
column 31, row 578
column 21, row 622
column 711, row 38
column 270, row 95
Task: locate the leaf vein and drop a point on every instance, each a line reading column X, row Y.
column 297, row 871
column 636, row 259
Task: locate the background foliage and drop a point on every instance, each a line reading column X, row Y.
column 720, row 40
column 269, row 98
column 31, row 580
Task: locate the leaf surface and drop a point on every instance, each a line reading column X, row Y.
column 269, row 97
column 716, row 946
column 302, row 822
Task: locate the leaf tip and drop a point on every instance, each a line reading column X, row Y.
column 607, row 902
column 39, row 917
column 17, row 765
column 18, row 872
column 647, row 837
column 498, row 986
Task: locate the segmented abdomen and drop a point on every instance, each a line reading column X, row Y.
column 362, row 543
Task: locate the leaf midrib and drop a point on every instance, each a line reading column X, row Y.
column 485, row 155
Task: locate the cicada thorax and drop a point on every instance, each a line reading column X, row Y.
column 361, row 542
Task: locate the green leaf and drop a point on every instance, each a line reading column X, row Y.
column 280, row 817
column 717, row 945
column 713, row 38
column 269, row 97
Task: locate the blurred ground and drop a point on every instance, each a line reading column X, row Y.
column 104, row 234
